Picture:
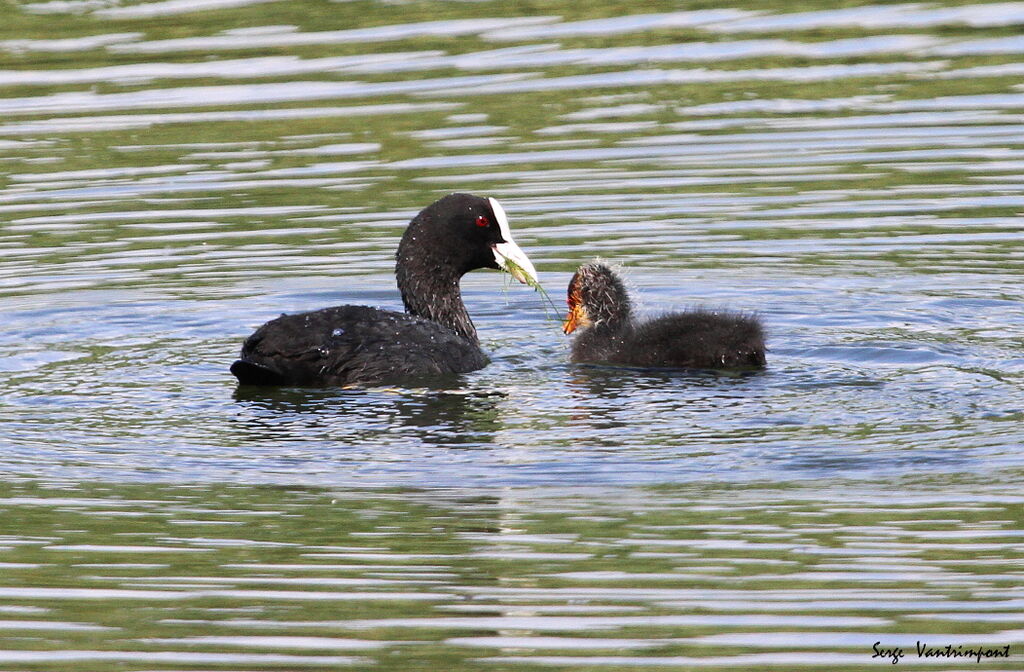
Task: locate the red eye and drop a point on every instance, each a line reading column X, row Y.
column 482, row 221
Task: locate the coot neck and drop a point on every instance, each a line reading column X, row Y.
column 429, row 284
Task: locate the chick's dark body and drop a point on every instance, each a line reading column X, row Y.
column 694, row 339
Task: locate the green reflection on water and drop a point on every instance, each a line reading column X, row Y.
column 664, row 570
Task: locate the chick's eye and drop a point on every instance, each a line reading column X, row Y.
column 482, row 221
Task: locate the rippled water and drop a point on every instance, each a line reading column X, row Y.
column 249, row 577
column 173, row 174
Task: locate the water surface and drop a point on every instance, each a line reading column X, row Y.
column 174, row 174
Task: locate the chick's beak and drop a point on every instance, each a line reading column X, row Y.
column 577, row 317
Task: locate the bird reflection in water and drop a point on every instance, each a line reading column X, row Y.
column 448, row 417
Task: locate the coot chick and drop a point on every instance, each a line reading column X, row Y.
column 600, row 307
column 348, row 345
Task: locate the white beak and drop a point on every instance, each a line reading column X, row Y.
column 507, row 255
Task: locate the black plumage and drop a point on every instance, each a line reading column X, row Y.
column 600, row 307
column 348, row 345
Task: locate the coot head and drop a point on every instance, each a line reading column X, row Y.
column 597, row 297
column 460, row 233
column 447, row 239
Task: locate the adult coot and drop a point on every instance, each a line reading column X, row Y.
column 599, row 306
column 348, row 345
